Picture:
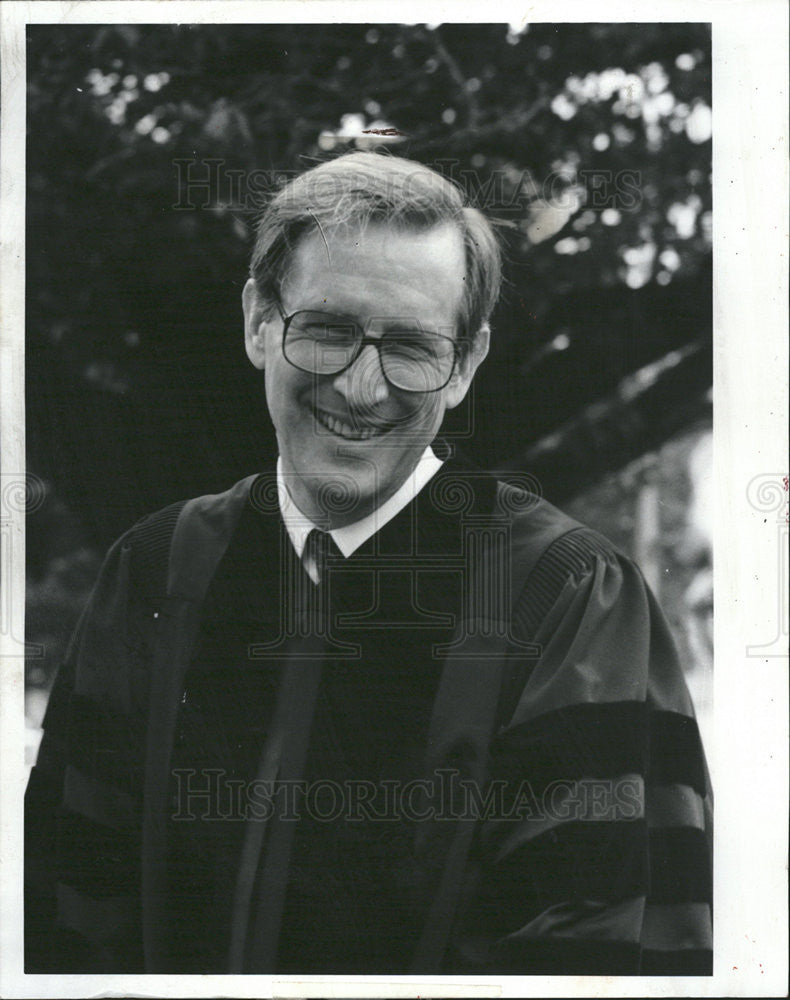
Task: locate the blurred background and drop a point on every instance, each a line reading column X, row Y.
column 152, row 148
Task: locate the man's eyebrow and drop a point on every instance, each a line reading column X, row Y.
column 386, row 324
column 410, row 323
column 343, row 314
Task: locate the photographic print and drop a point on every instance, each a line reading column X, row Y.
column 369, row 496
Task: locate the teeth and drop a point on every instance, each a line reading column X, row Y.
column 344, row 430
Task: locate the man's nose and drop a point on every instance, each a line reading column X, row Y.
column 363, row 384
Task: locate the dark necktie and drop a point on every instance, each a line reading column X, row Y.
column 320, row 547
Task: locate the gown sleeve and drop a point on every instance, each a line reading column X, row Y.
column 598, row 857
column 82, row 804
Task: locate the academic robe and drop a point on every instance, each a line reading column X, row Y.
column 562, row 825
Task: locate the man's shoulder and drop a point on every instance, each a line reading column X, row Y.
column 162, row 521
column 150, row 539
column 554, row 557
column 536, row 522
column 538, row 532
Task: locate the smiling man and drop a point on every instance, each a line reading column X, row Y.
column 368, row 312
column 360, row 356
column 371, row 711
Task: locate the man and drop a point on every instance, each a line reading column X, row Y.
column 370, row 711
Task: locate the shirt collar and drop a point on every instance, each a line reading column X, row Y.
column 349, row 538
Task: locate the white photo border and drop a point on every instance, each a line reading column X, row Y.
column 749, row 757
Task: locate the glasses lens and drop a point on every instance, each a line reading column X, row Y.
column 320, row 343
column 417, row 362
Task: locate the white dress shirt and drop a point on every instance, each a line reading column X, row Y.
column 349, row 538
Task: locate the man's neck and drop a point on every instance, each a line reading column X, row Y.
column 350, row 536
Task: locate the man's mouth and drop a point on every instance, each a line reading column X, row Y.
column 346, row 431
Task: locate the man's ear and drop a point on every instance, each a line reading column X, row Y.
column 467, row 366
column 256, row 323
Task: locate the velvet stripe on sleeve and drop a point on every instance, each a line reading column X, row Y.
column 600, row 859
column 82, row 806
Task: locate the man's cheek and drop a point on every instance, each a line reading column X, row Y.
column 419, row 412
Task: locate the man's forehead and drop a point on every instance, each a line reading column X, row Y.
column 389, row 238
column 379, row 259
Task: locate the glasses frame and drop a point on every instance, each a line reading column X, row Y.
column 363, row 341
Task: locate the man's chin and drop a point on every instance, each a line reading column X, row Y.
column 343, row 493
column 343, row 482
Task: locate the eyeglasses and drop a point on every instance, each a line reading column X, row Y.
column 325, row 344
